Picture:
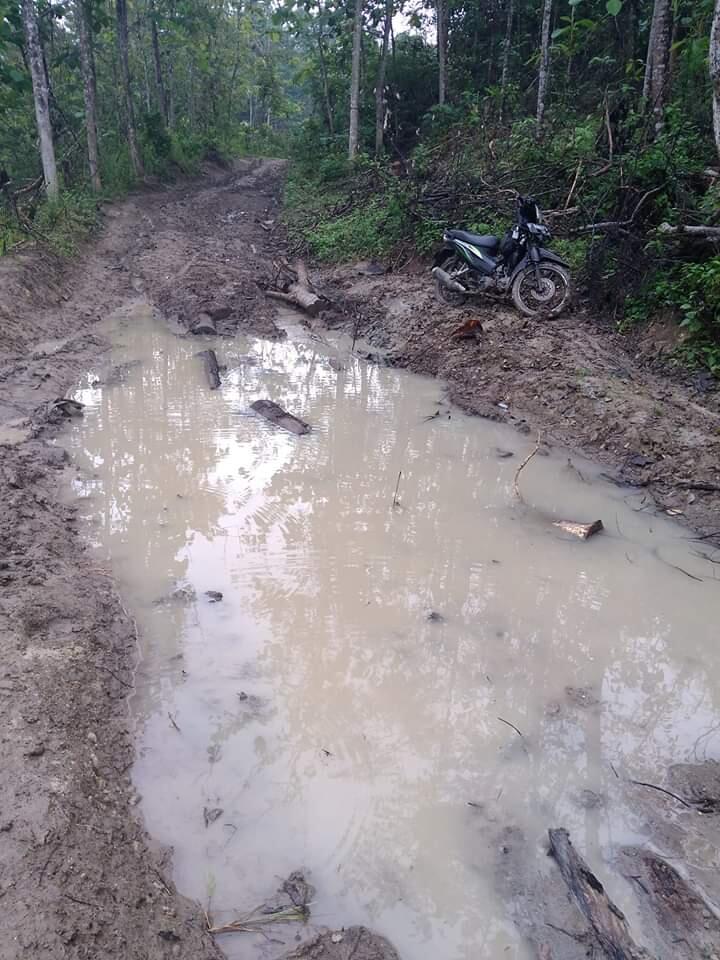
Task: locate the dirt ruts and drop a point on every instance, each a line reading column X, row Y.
column 78, row 875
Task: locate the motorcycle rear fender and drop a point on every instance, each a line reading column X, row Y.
column 536, row 255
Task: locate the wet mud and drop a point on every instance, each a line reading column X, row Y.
column 565, row 701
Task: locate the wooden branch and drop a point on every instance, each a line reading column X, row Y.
column 607, row 921
column 212, row 370
column 298, row 292
column 704, row 232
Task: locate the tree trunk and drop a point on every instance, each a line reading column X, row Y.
column 506, row 55
column 122, row 39
column 380, row 82
column 157, row 60
column 714, row 59
column 544, row 73
column 441, row 7
column 353, row 139
column 326, row 87
column 656, row 85
column 87, row 66
column 41, row 97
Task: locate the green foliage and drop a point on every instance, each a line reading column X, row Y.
column 68, row 221
column 691, row 291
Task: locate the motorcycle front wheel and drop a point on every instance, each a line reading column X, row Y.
column 548, row 297
column 451, row 265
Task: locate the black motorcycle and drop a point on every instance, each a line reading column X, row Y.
column 518, row 264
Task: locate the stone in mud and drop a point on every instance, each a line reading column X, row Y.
column 356, row 942
column 214, row 596
column 371, row 268
column 698, row 784
column 581, row 696
column 217, row 314
column 435, row 617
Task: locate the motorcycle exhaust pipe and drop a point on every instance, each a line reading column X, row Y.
column 447, row 281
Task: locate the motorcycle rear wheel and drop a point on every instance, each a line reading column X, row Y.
column 550, row 299
column 450, row 297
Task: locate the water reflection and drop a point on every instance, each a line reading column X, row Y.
column 335, row 725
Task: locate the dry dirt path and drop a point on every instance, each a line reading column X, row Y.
column 78, row 877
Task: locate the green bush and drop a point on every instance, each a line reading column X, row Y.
column 692, row 292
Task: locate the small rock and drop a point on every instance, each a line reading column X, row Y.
column 503, row 454
column 214, row 596
column 589, row 800
column 435, row 617
column 210, row 815
column 6, row 827
column 169, row 935
column 36, row 750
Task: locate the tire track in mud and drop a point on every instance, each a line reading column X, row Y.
column 79, row 877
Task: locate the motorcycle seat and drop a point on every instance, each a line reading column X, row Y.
column 488, row 242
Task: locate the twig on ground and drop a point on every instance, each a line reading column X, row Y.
column 652, row 786
column 522, row 466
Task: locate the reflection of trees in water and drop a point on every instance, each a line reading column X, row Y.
column 341, row 585
column 332, row 661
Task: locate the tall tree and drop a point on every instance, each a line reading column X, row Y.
column 544, row 71
column 380, row 81
column 657, row 73
column 354, row 136
column 126, row 83
column 443, row 17
column 507, row 46
column 714, row 58
column 157, row 60
column 87, row 66
column 41, row 96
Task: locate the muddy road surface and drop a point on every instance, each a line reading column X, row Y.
column 78, row 877
column 231, row 653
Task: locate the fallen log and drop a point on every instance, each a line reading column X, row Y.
column 298, row 291
column 607, row 920
column 281, row 418
column 212, row 369
column 703, row 231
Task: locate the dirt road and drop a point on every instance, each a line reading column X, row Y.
column 78, row 875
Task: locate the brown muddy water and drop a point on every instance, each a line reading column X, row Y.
column 337, row 726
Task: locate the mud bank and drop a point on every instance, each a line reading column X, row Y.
column 614, row 398
column 78, row 875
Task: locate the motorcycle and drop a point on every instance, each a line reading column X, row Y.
column 519, row 263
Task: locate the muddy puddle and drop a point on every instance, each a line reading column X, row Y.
column 340, row 705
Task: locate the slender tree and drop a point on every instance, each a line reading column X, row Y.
column 126, row 82
column 443, row 16
column 544, row 71
column 714, row 58
column 353, row 139
column 157, row 61
column 41, row 96
column 380, row 81
column 507, row 46
column 656, row 85
column 87, row 66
